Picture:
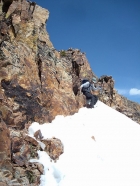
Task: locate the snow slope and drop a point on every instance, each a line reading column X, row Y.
column 101, row 148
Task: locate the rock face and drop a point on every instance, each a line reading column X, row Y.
column 37, row 82
column 5, row 146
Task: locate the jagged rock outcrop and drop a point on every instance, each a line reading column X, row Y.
column 37, row 82
column 110, row 97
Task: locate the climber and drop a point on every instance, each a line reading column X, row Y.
column 90, row 89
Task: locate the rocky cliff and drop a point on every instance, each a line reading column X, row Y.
column 37, row 82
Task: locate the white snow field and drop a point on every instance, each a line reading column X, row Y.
column 101, row 148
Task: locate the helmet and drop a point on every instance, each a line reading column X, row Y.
column 94, row 80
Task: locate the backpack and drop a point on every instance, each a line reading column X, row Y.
column 85, row 89
column 84, row 81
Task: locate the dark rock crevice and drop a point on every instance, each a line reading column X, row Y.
column 39, row 63
column 76, row 68
column 6, row 5
column 76, row 90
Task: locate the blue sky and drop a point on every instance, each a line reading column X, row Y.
column 108, row 31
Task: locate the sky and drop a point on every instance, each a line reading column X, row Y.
column 101, row 147
column 108, row 31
